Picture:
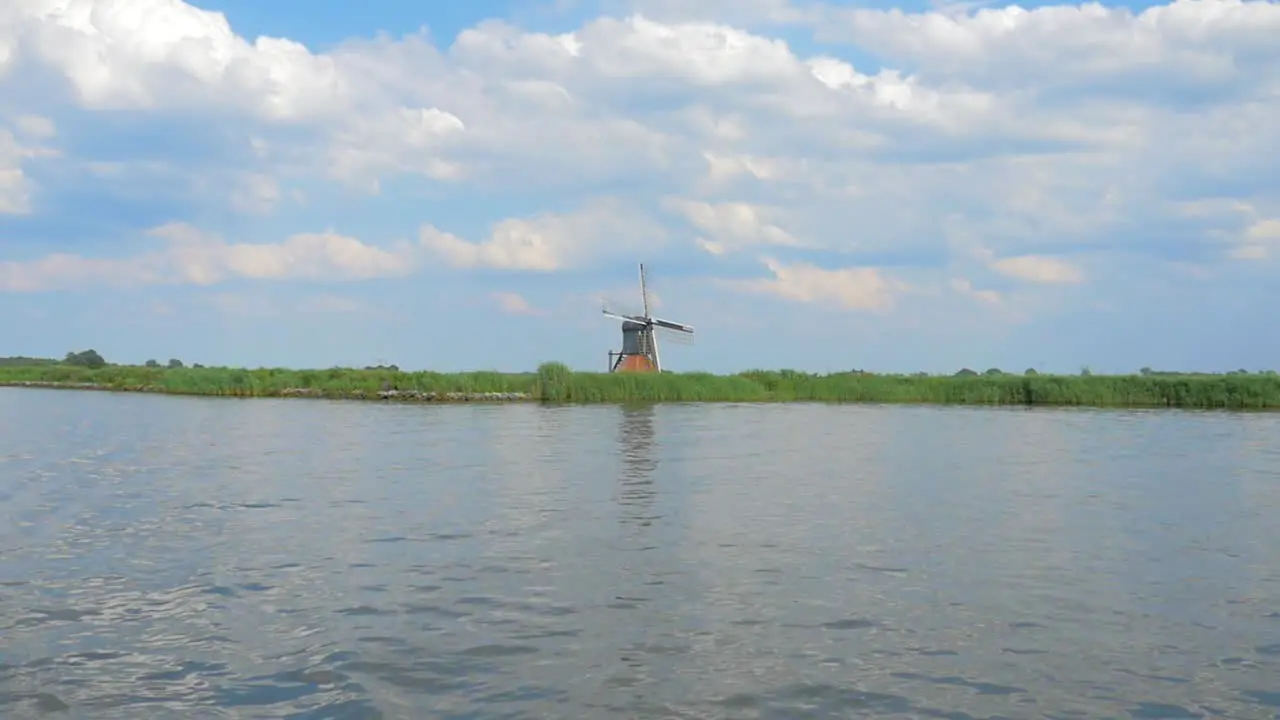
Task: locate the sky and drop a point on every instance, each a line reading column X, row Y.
column 822, row 186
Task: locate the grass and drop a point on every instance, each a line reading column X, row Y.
column 556, row 383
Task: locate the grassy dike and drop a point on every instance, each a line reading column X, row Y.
column 554, row 382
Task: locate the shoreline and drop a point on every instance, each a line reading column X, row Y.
column 553, row 386
column 402, row 396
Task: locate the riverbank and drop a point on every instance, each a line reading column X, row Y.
column 316, row 393
column 555, row 383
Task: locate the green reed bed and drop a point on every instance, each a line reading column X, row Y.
column 554, row 382
column 269, row 382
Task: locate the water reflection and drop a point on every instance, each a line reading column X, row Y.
column 637, row 492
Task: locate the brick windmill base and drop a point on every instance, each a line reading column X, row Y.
column 637, row 353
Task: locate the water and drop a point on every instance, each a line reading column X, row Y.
column 167, row 557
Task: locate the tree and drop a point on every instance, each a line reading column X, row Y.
column 87, row 358
column 965, row 372
column 152, row 364
column 1030, row 371
column 175, row 363
column 993, row 371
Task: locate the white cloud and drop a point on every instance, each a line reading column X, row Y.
column 166, row 53
column 1261, row 239
column 964, row 287
column 15, row 186
column 35, row 126
column 15, row 196
column 549, row 241
column 635, row 47
column 1039, row 269
column 724, row 168
column 853, row 288
column 406, row 141
column 255, row 193
column 751, row 12
column 194, row 257
column 514, row 304
column 1185, row 44
column 731, row 226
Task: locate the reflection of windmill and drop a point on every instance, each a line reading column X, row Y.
column 639, row 341
column 636, row 446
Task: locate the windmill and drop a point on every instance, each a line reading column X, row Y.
column 639, row 340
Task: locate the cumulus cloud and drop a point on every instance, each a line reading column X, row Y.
column 1261, row 239
column 549, row 241
column 1185, row 45
column 965, row 287
column 731, row 226
column 1039, row 269
column 514, row 304
column 255, row 193
column 165, row 53
column 722, row 169
column 15, row 186
column 35, row 126
column 405, row 141
column 15, row 197
column 749, row 12
column 190, row 256
column 851, row 288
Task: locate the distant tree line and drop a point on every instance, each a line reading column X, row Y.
column 93, row 360
column 90, row 358
column 21, row 361
column 1085, row 371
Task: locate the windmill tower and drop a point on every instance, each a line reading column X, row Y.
column 639, row 340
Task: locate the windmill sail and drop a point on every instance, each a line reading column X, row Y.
column 668, row 325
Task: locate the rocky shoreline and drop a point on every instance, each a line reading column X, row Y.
column 406, row 396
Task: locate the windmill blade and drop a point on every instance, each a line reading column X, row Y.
column 612, row 307
column 668, row 325
column 623, row 318
column 668, row 335
column 644, row 290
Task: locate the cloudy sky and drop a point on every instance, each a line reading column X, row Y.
column 817, row 185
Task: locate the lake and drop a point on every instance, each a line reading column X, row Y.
column 168, row 557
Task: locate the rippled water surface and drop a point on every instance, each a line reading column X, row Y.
column 168, row 557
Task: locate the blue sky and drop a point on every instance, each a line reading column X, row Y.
column 823, row 186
